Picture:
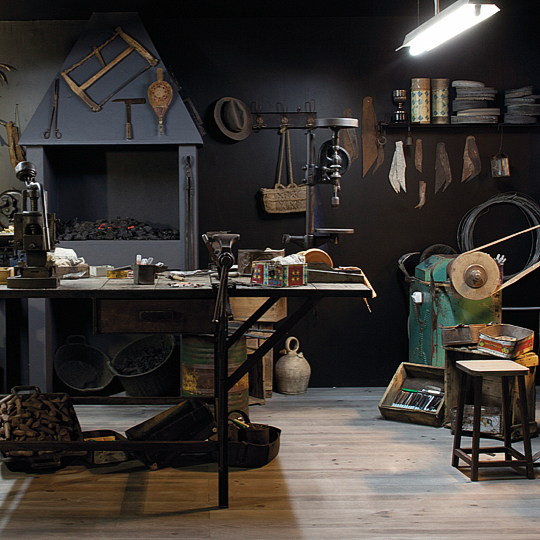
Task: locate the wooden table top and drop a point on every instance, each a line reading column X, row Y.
column 202, row 286
column 491, row 367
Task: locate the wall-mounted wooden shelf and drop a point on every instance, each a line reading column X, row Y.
column 407, row 125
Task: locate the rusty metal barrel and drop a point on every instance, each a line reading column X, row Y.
column 198, row 369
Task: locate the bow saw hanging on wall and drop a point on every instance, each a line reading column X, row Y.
column 133, row 45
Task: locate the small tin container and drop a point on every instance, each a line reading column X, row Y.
column 505, row 340
column 420, row 101
column 439, row 101
column 144, row 274
column 500, row 166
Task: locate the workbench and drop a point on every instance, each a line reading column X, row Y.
column 119, row 306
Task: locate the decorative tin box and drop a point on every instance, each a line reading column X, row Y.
column 505, row 340
column 278, row 275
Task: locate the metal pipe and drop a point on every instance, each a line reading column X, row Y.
column 310, row 189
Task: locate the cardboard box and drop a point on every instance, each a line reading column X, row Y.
column 244, row 307
column 275, row 274
column 100, row 271
column 490, row 419
column 103, row 457
column 5, row 272
column 61, row 271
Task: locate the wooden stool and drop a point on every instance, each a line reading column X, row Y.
column 495, row 368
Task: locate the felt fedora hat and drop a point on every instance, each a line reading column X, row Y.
column 233, row 118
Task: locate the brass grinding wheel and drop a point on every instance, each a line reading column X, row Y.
column 474, row 275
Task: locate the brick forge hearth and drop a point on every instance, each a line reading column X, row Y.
column 93, row 172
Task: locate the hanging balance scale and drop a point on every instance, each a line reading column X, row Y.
column 160, row 96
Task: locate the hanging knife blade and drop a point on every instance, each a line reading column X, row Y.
column 418, row 155
column 471, row 160
column 443, row 174
column 369, row 134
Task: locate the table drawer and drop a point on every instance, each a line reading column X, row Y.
column 175, row 316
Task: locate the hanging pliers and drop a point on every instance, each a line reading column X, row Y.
column 54, row 115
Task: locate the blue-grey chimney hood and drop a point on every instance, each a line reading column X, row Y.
column 78, row 124
column 100, row 137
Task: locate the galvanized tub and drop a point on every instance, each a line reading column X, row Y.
column 162, row 379
column 198, row 369
column 82, row 367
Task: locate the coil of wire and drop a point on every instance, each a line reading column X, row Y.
column 528, row 206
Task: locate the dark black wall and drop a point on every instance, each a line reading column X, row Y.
column 337, row 62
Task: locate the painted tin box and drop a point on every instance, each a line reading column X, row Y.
column 505, row 340
column 275, row 274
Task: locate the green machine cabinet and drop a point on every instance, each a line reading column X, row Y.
column 434, row 302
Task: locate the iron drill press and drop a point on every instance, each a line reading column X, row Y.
column 33, row 234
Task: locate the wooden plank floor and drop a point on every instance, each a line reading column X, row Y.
column 343, row 472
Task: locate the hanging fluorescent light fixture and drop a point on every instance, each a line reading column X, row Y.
column 448, row 23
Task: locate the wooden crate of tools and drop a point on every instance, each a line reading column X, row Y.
column 407, row 397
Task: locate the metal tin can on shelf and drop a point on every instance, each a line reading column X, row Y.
column 439, row 101
column 420, row 101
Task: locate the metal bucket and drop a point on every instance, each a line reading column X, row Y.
column 198, row 370
column 161, row 380
column 82, row 367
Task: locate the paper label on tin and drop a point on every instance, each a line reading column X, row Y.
column 420, row 106
column 440, row 102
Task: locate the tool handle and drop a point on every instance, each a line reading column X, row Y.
column 128, row 131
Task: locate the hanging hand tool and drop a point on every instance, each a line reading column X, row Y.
column 129, row 102
column 369, row 134
column 189, row 187
column 16, row 153
column 54, row 115
column 381, row 141
column 421, row 194
column 418, row 158
column 443, row 174
column 397, row 169
column 133, row 45
column 471, row 160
